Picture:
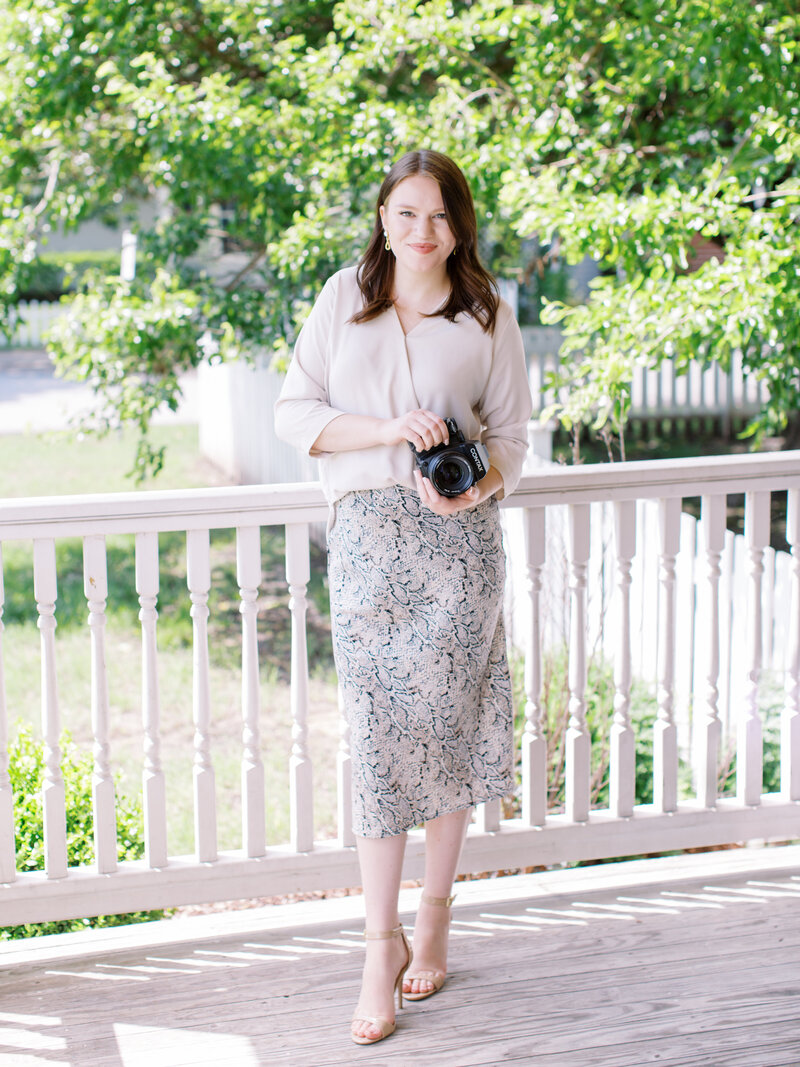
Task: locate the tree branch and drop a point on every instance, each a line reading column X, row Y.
column 49, row 189
column 251, row 263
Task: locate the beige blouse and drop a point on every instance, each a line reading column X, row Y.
column 451, row 368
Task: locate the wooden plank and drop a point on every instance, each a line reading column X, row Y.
column 305, row 1008
column 695, row 968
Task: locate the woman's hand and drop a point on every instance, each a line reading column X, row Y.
column 450, row 505
column 422, row 428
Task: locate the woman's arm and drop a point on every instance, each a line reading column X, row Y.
column 423, row 429
column 506, row 406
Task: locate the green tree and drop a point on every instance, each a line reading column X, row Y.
column 667, row 124
column 198, row 107
column 261, row 131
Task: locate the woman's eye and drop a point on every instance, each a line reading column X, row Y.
column 409, row 213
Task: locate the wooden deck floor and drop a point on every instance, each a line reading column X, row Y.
column 679, row 962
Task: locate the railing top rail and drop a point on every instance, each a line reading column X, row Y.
column 265, row 505
column 659, row 478
column 220, row 507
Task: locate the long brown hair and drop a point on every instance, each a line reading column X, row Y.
column 472, row 288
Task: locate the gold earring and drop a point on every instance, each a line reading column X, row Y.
column 387, row 245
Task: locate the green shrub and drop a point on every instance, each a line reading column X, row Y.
column 26, row 770
column 643, row 713
column 771, row 700
column 599, row 698
column 53, row 274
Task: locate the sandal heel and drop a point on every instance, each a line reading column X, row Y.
column 435, row 978
column 386, row 1026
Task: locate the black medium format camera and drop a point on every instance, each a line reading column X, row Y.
column 455, row 467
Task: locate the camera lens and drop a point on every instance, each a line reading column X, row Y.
column 451, row 474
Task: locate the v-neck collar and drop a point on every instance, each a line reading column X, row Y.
column 416, row 326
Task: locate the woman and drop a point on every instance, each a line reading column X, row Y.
column 414, row 334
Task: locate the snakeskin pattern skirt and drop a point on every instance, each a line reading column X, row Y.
column 419, row 646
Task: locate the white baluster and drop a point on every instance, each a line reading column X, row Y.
column 749, row 775
column 578, row 741
column 622, row 787
column 7, row 851
column 344, row 781
column 487, row 816
column 154, row 797
column 727, row 658
column 790, row 719
column 301, row 807
column 710, row 729
column 45, row 589
column 665, row 740
column 95, row 588
column 248, row 576
column 198, row 575
column 534, row 740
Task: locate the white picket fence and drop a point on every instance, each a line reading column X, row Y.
column 657, row 393
column 31, row 320
column 642, row 590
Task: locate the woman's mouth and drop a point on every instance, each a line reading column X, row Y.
column 423, row 249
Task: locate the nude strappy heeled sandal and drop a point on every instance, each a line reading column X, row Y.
column 386, row 1026
column 436, row 978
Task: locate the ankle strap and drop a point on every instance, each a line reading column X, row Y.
column 382, row 935
column 438, row 902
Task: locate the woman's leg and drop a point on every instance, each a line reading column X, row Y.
column 444, row 839
column 381, row 862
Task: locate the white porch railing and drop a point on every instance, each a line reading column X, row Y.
column 536, row 836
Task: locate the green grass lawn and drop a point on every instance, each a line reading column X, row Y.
column 53, row 465
column 61, row 463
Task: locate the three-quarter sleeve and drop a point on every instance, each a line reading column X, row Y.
column 302, row 410
column 506, row 406
column 373, row 368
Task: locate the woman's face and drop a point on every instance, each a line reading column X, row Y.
column 414, row 219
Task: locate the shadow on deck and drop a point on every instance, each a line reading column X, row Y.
column 681, row 962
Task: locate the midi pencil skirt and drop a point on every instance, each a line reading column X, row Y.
column 419, row 646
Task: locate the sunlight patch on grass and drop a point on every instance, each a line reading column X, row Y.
column 57, row 464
